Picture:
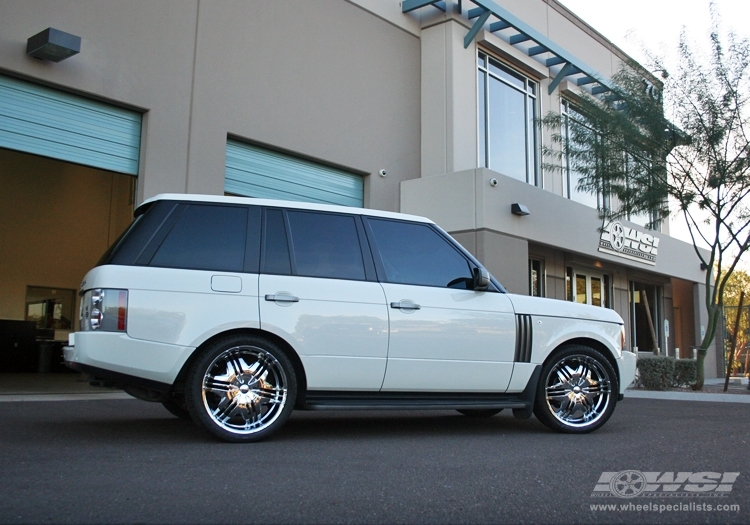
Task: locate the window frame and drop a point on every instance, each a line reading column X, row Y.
column 532, row 110
column 541, row 277
column 650, row 217
column 567, row 110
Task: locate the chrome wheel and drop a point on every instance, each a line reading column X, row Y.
column 242, row 389
column 578, row 390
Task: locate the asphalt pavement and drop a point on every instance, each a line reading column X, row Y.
column 128, row 461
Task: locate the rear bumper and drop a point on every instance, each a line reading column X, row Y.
column 107, row 378
column 117, row 353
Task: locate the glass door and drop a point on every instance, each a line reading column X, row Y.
column 588, row 288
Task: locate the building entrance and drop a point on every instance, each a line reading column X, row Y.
column 646, row 316
column 56, row 220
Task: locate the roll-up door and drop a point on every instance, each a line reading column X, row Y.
column 44, row 121
column 252, row 171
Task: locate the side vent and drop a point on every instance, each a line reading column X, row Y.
column 524, row 339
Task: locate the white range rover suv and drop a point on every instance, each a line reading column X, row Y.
column 235, row 311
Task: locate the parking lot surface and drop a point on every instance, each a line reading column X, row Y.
column 127, row 461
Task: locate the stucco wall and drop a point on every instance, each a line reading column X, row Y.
column 467, row 201
column 325, row 79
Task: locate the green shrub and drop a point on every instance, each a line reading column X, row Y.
column 656, row 373
column 685, row 372
column 660, row 372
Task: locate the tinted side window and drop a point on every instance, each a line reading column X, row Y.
column 205, row 237
column 132, row 242
column 326, row 245
column 416, row 254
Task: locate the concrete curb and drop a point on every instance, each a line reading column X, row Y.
column 687, row 396
column 5, row 398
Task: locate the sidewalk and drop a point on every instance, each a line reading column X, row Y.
column 712, row 392
column 53, row 387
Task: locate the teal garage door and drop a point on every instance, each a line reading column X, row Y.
column 44, row 121
column 252, row 171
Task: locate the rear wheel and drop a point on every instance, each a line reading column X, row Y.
column 479, row 412
column 176, row 406
column 577, row 390
column 241, row 389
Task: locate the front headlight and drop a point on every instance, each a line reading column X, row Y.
column 104, row 309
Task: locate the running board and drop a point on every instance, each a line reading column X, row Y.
column 522, row 403
column 407, row 401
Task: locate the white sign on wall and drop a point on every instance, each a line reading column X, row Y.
column 629, row 243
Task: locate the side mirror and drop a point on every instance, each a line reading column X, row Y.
column 481, row 279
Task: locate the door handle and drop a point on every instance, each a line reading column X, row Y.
column 282, row 297
column 405, row 305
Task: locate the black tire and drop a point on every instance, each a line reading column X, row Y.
column 577, row 390
column 479, row 412
column 241, row 388
column 176, row 406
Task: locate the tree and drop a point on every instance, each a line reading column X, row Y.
column 739, row 281
column 648, row 144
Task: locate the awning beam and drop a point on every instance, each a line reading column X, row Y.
column 567, row 69
column 540, row 44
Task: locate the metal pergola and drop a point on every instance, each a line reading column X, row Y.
column 523, row 37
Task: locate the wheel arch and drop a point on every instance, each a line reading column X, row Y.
column 299, row 369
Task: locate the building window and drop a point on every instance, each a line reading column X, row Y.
column 50, row 309
column 572, row 117
column 588, row 288
column 644, row 219
column 508, row 108
column 536, row 278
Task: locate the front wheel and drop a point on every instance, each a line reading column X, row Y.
column 241, row 389
column 577, row 390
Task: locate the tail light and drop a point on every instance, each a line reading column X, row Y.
column 104, row 309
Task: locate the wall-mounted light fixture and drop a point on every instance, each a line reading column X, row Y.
column 53, row 45
column 519, row 209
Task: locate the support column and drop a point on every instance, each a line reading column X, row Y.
column 449, row 100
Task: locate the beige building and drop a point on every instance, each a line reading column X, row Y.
column 417, row 106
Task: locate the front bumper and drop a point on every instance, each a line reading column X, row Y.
column 626, row 365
